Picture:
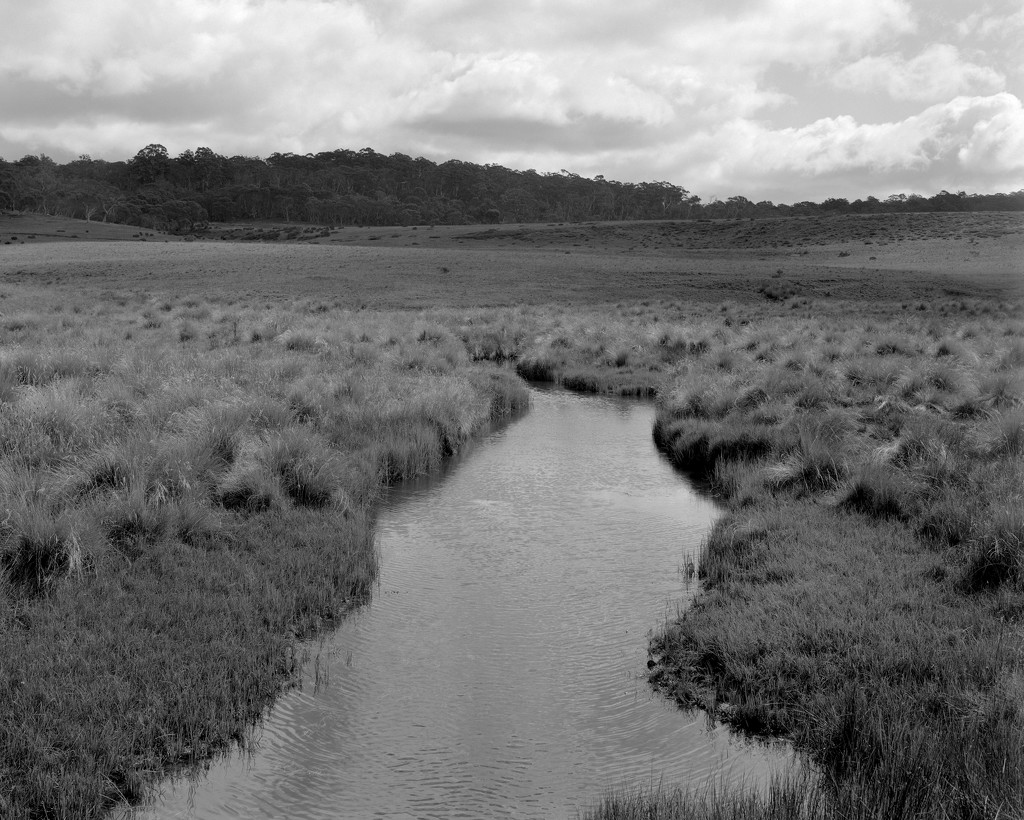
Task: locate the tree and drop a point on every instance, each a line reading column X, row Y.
column 150, row 165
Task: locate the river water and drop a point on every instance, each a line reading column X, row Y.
column 500, row 669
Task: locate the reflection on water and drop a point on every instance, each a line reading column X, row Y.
column 499, row 671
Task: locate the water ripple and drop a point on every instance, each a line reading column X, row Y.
column 499, row 670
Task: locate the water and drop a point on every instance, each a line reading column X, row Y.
column 500, row 669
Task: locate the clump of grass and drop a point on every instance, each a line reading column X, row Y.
column 301, row 341
column 9, row 383
column 195, row 523
column 945, row 520
column 111, row 467
column 880, row 492
column 135, row 521
column 250, row 490
column 893, row 345
column 996, row 553
column 950, row 347
column 187, row 331
column 875, row 374
column 817, row 462
column 751, row 398
column 508, row 394
column 1005, row 434
column 1002, row 389
column 309, row 475
column 38, row 548
column 538, row 368
column 1012, row 358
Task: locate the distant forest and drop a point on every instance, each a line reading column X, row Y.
column 184, row 194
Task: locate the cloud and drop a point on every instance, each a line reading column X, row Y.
column 670, row 89
column 985, row 23
column 968, row 138
column 937, row 73
column 996, row 142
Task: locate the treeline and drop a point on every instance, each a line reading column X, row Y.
column 345, row 187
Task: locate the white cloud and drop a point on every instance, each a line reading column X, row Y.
column 671, row 89
column 937, row 73
column 985, row 23
column 978, row 138
column 996, row 142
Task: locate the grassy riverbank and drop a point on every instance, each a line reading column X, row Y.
column 864, row 594
column 188, row 490
column 188, row 481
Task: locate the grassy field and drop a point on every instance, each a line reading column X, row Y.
column 188, row 491
column 864, row 595
column 194, row 434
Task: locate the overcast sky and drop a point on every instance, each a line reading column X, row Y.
column 772, row 99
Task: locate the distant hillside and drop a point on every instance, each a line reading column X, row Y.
column 182, row 194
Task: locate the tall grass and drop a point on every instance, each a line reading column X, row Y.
column 864, row 594
column 175, row 497
column 183, row 501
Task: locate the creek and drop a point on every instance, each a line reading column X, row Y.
column 500, row 669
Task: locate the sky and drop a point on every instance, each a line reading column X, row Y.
column 786, row 100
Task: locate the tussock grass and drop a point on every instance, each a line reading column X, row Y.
column 864, row 594
column 302, row 463
column 199, row 488
column 212, row 497
column 38, row 547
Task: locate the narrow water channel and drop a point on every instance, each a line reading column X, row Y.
column 500, row 669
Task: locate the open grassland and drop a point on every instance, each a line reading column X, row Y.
column 194, row 435
column 458, row 266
